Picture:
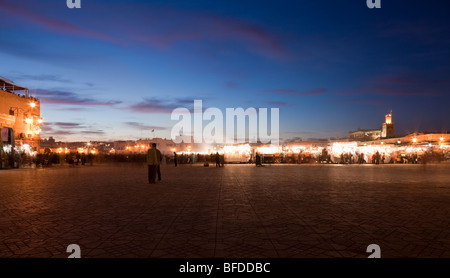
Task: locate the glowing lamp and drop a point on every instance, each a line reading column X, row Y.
column 414, row 140
column 28, row 120
column 32, row 104
column 442, row 138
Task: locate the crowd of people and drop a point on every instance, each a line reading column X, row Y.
column 48, row 158
column 9, row 160
column 397, row 157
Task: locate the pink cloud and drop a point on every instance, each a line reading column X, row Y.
column 165, row 28
column 158, row 27
column 54, row 24
column 69, row 98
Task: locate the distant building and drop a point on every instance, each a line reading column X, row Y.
column 388, row 127
column 387, row 131
column 365, row 134
column 49, row 143
column 20, row 114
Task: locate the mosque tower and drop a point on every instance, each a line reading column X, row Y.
column 388, row 127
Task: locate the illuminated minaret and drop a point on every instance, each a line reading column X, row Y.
column 388, row 127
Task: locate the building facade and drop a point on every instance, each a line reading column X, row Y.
column 20, row 114
column 388, row 127
column 365, row 134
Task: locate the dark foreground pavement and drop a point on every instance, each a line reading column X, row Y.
column 237, row 211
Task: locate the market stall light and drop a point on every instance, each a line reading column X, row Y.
column 269, row 150
column 442, row 139
column 339, row 148
column 297, row 149
column 33, row 104
column 237, row 149
column 28, row 120
column 40, row 120
column 414, row 140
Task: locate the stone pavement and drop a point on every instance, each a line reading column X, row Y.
column 239, row 211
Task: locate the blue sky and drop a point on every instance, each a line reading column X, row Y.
column 116, row 69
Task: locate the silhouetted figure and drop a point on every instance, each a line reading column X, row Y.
column 175, row 159
column 258, row 160
column 361, row 158
column 217, row 159
column 78, row 157
column 83, row 159
column 153, row 159
column 377, row 158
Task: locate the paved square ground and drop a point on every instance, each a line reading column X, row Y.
column 238, row 211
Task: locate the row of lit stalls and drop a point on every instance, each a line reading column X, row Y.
column 339, row 152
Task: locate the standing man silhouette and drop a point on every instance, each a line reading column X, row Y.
column 175, row 158
column 153, row 159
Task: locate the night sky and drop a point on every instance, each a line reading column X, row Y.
column 116, row 69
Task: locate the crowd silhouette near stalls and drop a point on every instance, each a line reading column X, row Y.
column 49, row 158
